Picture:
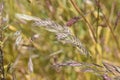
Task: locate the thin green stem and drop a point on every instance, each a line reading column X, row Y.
column 117, row 43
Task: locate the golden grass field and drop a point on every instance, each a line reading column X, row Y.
column 59, row 40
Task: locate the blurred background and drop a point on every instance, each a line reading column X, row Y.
column 33, row 60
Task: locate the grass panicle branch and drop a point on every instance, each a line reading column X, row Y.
column 63, row 33
column 84, row 67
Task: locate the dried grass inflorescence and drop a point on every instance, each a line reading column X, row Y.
column 62, row 32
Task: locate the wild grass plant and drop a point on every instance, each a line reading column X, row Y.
column 59, row 40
